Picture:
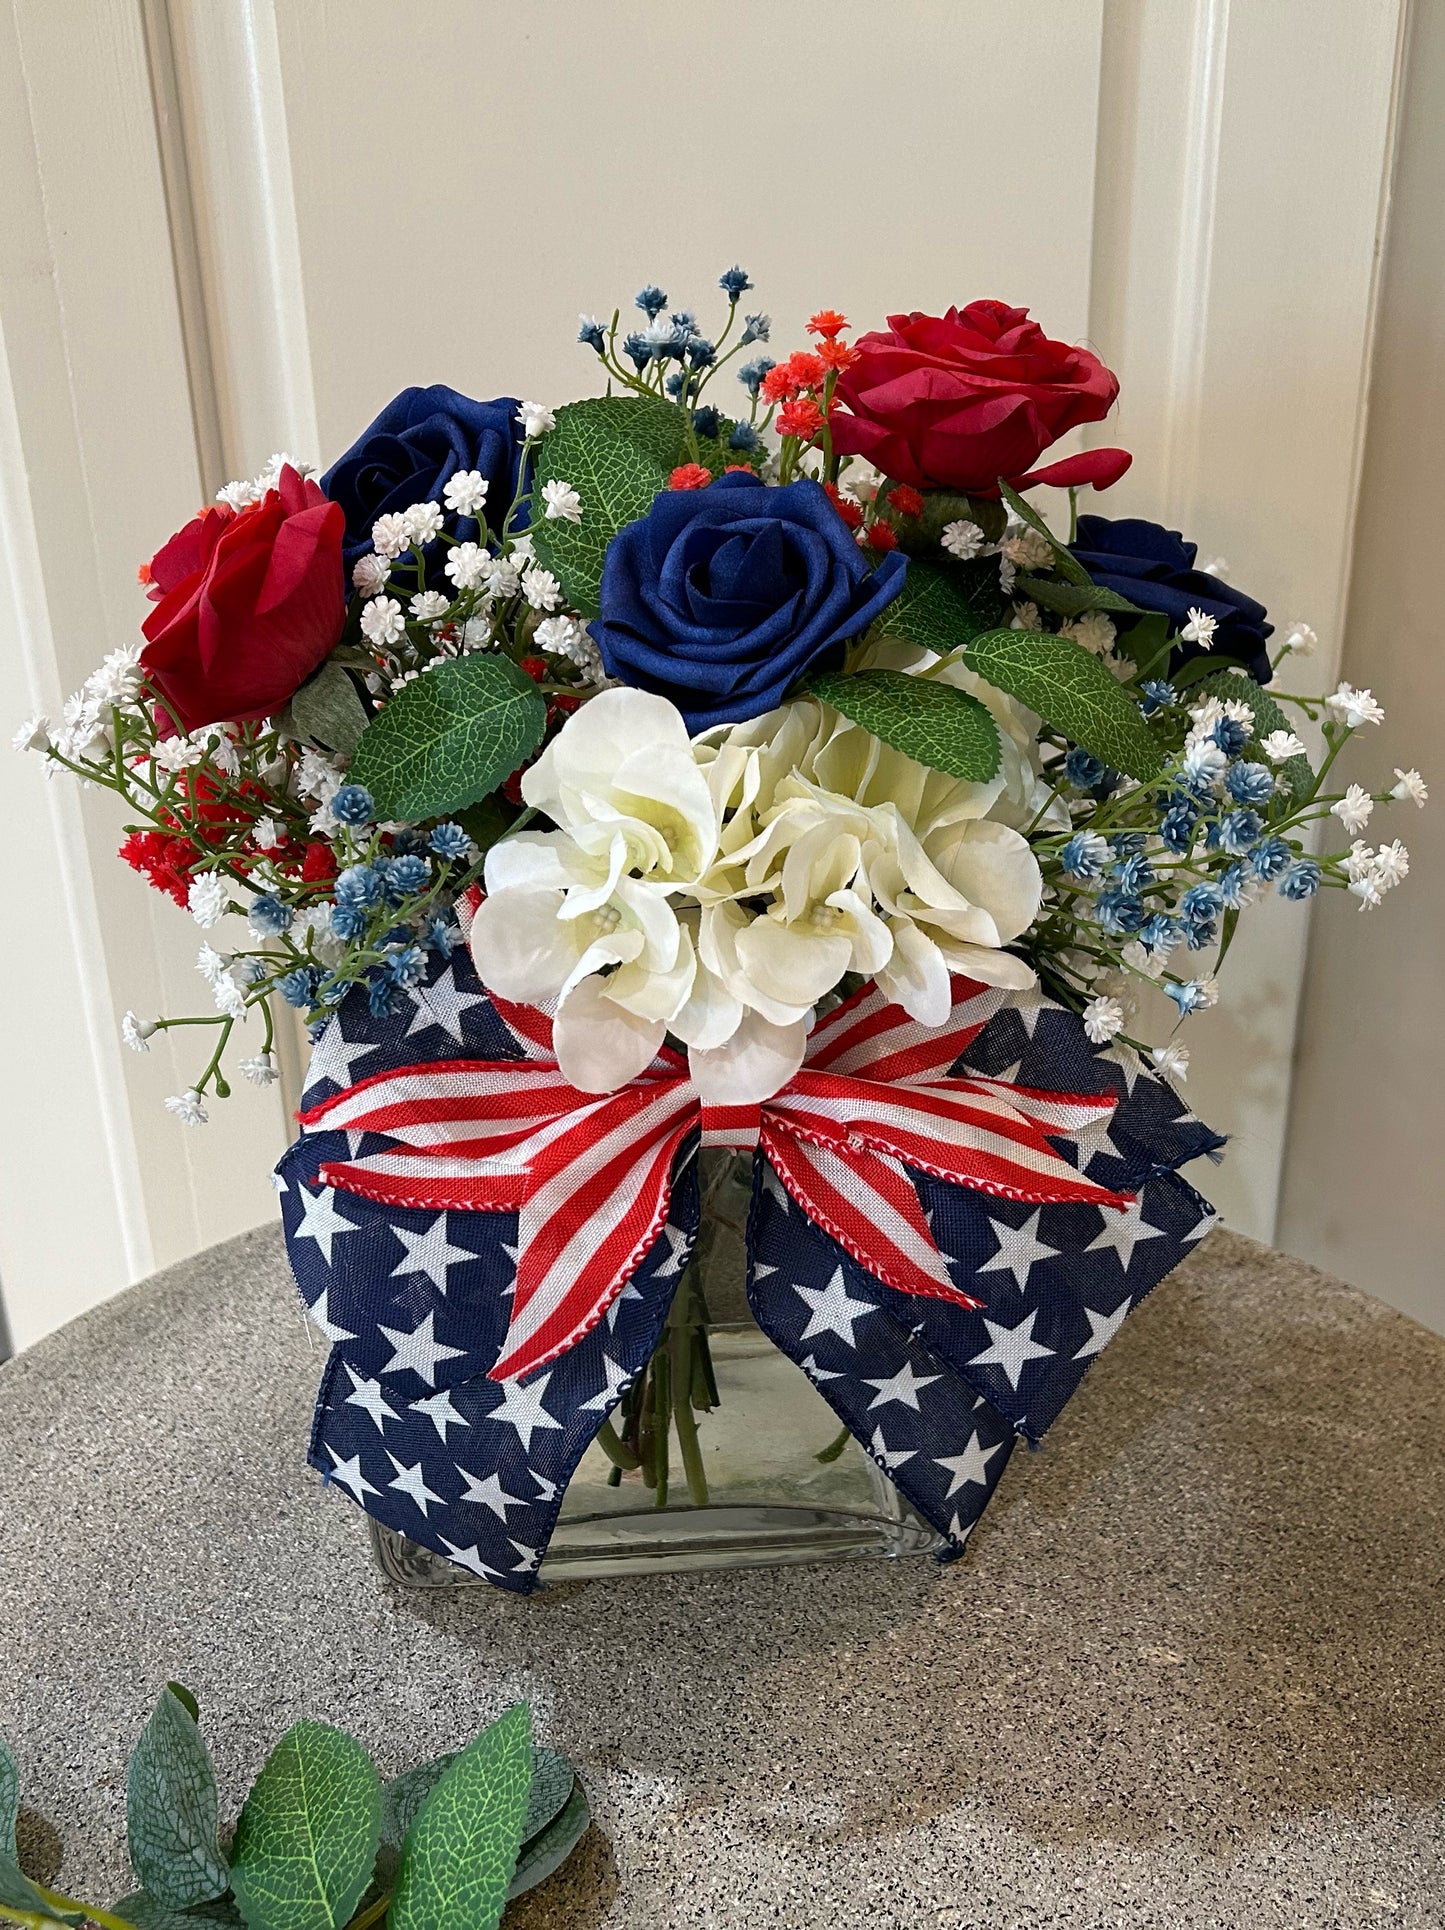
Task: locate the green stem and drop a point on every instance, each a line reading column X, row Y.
column 102, row 1917
column 682, row 1366
column 834, row 1447
column 661, row 1422
column 373, row 1913
column 615, row 1448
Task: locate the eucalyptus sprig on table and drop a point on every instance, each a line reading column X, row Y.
column 321, row 1843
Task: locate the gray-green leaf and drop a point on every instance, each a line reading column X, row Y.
column 307, row 1837
column 1075, row 693
column 1065, row 562
column 549, row 1849
column 461, row 1851
column 328, row 710
column 403, row 1796
column 940, row 608
column 617, row 452
column 1235, row 684
column 1071, row 599
column 17, row 1892
column 934, row 723
column 9, row 1800
column 172, row 1811
column 450, row 737
column 142, row 1909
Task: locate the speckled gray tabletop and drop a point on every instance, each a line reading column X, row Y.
column 1192, row 1671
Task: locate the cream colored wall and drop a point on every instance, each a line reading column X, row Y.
column 1364, row 1179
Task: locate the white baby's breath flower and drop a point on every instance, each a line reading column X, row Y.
column 137, row 1033
column 429, row 605
column 261, row 1071
column 179, row 753
column 371, row 573
column 1300, row 640
column 1354, row 808
column 389, row 535
column 422, row 522
column 1025, row 617
column 565, row 637
column 382, row 622
column 523, row 550
column 503, row 578
column 207, row 899
column 33, row 735
column 1172, row 1060
column 1359, row 861
column 1006, row 575
column 467, row 565
column 1205, row 763
column 466, row 492
column 1354, row 707
column 1025, row 548
column 963, row 539
column 1410, row 785
column 1199, row 629
column 1392, row 865
column 563, row 502
column 211, row 964
column 1280, row 745
column 1093, row 629
column 230, row 998
column 265, row 834
column 1103, row 1018
column 187, row 1107
column 541, row 589
column 224, row 755
column 1216, row 566
column 537, row 420
column 1367, row 889
column 238, row 495
column 316, row 774
column 1206, row 994
column 119, row 680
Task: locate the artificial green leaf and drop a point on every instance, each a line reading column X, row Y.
column 328, row 710
column 307, row 1837
column 461, row 1851
column 448, row 738
column 9, row 1800
column 486, row 821
column 617, row 452
column 944, row 506
column 941, row 607
column 17, row 1892
column 172, row 1811
column 1146, row 644
column 142, row 1909
column 1065, row 562
column 1074, row 692
column 1268, row 716
column 549, row 1849
column 1071, row 599
column 936, row 724
column 403, row 1796
column 552, row 1784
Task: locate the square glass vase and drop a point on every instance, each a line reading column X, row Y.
column 745, row 1467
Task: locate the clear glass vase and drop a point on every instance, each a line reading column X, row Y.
column 722, row 1455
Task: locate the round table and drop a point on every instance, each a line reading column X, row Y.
column 1191, row 1672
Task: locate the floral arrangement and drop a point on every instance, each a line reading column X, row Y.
column 729, row 710
column 466, row 1832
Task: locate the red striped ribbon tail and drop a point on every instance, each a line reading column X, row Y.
column 1061, row 1112
column 868, row 1204
column 867, row 1035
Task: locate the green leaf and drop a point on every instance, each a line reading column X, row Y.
column 1074, row 692
column 937, row 724
column 172, row 1811
column 940, row 607
column 617, row 452
column 187, row 1701
column 17, row 1892
column 404, row 1795
column 328, row 710
column 1065, row 562
column 9, row 1800
column 307, row 1836
column 142, row 1909
column 552, row 1783
column 1235, row 684
column 549, row 1849
column 1071, row 599
column 461, row 1851
column 1146, row 644
column 450, row 737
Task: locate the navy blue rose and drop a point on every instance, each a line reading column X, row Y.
column 413, row 449
column 1154, row 567
column 719, row 599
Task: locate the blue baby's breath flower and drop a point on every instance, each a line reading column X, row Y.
column 638, row 350
column 359, row 884
column 1236, row 831
column 407, row 840
column 1176, row 827
column 1250, row 783
column 1233, row 885
column 298, row 988
column 406, row 965
column 440, row 934
column 701, row 353
column 353, row 804
column 1119, row 913
column 744, row 437
column 734, row 283
column 383, row 996
column 651, row 301
column 405, row 877
column 1270, row 859
column 1084, row 772
column 1199, row 937
column 675, row 384
column 349, row 921
column 757, row 328
column 1156, row 695
column 1302, row 880
column 1128, row 844
column 1132, row 873
column 1084, row 854
column 268, row 917
column 449, row 841
column 1190, row 997
column 1230, row 735
column 591, row 331
column 1161, row 933
column 751, row 373
column 1200, row 903
column 706, row 422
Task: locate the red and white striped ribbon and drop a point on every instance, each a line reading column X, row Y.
column 590, row 1176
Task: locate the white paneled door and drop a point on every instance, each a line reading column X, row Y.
column 233, row 226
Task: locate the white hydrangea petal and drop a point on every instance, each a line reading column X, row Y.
column 916, row 976
column 599, row 1045
column 757, row 1061
column 520, row 945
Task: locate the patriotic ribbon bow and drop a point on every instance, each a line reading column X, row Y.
column 590, row 1177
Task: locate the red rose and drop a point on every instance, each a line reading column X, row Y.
column 248, row 604
column 958, row 400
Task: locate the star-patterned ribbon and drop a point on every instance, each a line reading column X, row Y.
column 421, row 1292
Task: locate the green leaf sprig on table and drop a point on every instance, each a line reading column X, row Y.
column 321, row 1842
